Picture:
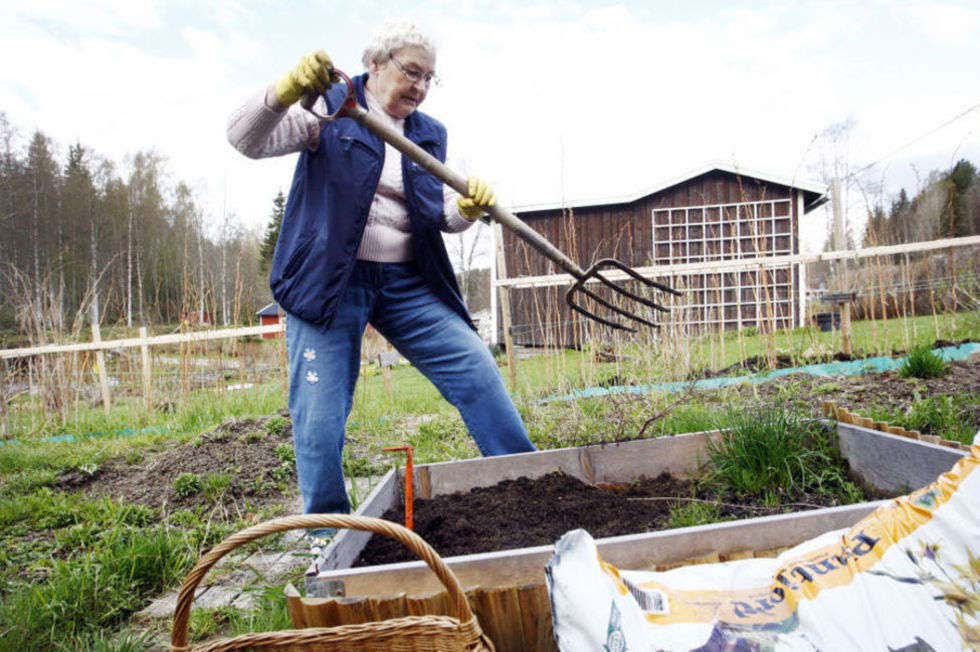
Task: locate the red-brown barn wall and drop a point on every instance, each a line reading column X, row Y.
column 266, row 320
column 621, row 231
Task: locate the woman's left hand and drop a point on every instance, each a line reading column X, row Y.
column 479, row 197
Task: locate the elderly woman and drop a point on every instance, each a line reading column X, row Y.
column 361, row 243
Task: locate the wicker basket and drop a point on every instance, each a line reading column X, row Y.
column 457, row 631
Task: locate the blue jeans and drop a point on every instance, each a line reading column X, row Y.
column 324, row 364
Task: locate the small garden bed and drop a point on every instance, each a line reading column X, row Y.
column 769, row 463
column 241, row 465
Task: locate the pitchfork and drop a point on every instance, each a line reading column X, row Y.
column 351, row 109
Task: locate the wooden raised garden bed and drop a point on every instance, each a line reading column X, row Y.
column 507, row 588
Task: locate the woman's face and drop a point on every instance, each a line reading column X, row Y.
column 391, row 82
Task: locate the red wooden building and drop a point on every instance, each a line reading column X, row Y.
column 271, row 314
column 716, row 213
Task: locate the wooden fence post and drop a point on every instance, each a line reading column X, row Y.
column 504, row 294
column 283, row 353
column 4, row 379
column 147, row 372
column 100, row 366
column 845, row 327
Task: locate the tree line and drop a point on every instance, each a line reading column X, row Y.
column 947, row 206
column 84, row 239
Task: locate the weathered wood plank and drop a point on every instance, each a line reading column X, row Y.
column 536, row 618
column 499, row 614
column 893, row 463
column 621, row 462
column 526, row 565
column 348, row 544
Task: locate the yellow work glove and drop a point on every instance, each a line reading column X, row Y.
column 478, row 198
column 314, row 72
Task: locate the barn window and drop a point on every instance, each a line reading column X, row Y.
column 752, row 229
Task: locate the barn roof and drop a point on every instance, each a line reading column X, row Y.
column 813, row 194
column 270, row 310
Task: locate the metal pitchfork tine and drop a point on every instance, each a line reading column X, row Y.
column 349, row 108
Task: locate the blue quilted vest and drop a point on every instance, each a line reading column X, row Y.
column 328, row 205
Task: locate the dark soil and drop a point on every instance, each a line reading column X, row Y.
column 524, row 512
column 259, row 480
column 758, row 363
column 888, row 389
column 241, row 449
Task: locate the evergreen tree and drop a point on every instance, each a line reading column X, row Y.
column 76, row 231
column 43, row 179
column 272, row 233
column 958, row 217
column 898, row 216
column 80, row 224
column 876, row 231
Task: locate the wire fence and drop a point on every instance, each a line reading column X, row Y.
column 46, row 387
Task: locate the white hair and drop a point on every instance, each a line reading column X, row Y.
column 393, row 36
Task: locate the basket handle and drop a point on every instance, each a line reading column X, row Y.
column 457, row 599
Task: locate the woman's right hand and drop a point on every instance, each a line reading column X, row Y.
column 314, row 72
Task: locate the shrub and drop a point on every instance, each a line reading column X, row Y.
column 923, row 362
column 187, row 484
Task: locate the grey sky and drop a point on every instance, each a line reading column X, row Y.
column 573, row 99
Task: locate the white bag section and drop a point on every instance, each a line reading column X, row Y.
column 905, row 577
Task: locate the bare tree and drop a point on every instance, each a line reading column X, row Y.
column 466, row 249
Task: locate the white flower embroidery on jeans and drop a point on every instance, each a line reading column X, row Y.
column 312, row 377
column 309, row 355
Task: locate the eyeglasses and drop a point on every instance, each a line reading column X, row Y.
column 414, row 75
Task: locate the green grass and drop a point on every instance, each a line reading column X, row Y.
column 93, row 590
column 642, row 358
column 125, row 640
column 187, row 484
column 28, row 419
column 285, row 452
column 695, row 513
column 949, row 417
column 868, row 337
column 73, row 569
column 268, row 614
column 276, row 425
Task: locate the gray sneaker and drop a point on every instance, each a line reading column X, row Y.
column 318, row 541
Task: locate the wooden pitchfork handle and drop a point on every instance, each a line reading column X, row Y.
column 349, row 108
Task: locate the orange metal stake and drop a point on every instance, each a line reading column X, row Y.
column 408, row 482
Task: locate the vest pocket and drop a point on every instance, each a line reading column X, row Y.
column 296, row 258
column 347, row 143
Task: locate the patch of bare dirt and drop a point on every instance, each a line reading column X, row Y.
column 758, row 363
column 887, row 389
column 236, row 462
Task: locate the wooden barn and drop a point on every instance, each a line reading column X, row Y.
column 717, row 213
